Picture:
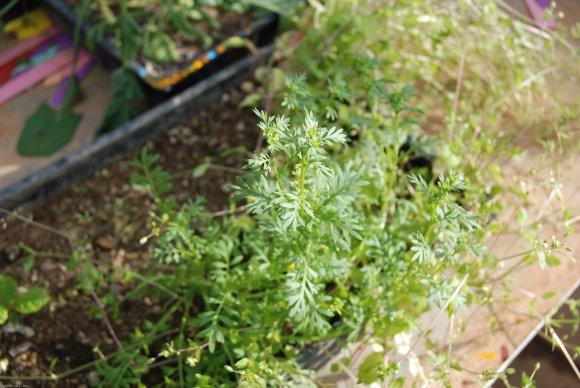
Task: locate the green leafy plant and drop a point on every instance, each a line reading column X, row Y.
column 317, row 236
column 347, row 239
column 149, row 28
column 337, row 233
column 365, row 243
column 12, row 301
column 147, row 31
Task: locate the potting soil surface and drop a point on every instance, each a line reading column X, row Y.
column 108, row 216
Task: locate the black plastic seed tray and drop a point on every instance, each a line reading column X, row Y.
column 260, row 33
column 112, row 146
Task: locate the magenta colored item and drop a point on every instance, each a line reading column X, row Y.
column 18, row 85
column 58, row 97
column 61, row 39
column 23, row 47
column 536, row 9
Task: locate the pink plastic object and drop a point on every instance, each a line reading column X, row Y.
column 25, row 47
column 22, row 83
column 537, row 9
column 64, row 73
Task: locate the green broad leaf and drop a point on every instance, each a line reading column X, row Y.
column 241, row 149
column 201, row 169
column 47, row 131
column 243, row 363
column 553, row 261
column 454, row 364
column 236, row 42
column 180, row 21
column 130, row 37
column 369, row 369
column 160, row 48
column 244, row 222
column 548, row 294
column 126, row 91
column 251, row 100
column 389, row 327
column 213, row 335
column 7, row 289
column 31, row 301
column 73, row 91
column 3, row 314
column 28, row 263
column 397, row 383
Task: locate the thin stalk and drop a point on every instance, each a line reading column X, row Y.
column 509, row 271
column 301, row 181
column 277, row 175
column 424, row 332
column 73, row 247
column 80, row 368
column 108, row 14
column 181, row 333
column 8, row 7
column 565, row 352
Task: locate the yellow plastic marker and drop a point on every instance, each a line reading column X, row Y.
column 29, row 25
column 487, row 355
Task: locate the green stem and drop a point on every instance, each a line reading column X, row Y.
column 301, row 180
column 184, row 319
column 512, row 269
column 277, row 175
column 148, row 338
column 8, row 7
column 107, row 12
column 389, row 166
column 60, row 376
column 431, row 223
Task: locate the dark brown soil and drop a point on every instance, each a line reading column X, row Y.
column 107, row 216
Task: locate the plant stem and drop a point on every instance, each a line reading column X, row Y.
column 108, row 14
column 60, row 376
column 73, row 247
column 565, row 352
column 184, row 319
column 301, row 180
column 277, row 175
column 512, row 269
column 5, row 9
column 424, row 332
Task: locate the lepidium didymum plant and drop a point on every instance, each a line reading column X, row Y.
column 346, row 269
column 307, row 207
column 326, row 251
